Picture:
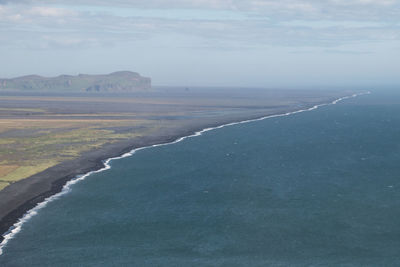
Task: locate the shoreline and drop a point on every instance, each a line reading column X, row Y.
column 54, row 182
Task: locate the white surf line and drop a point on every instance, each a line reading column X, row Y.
column 16, row 228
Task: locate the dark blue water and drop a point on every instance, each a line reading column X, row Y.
column 315, row 188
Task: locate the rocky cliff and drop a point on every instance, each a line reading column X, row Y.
column 122, row 81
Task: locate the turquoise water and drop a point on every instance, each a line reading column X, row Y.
column 314, row 188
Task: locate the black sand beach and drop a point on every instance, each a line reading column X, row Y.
column 200, row 111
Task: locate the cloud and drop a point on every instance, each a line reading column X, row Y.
column 260, row 6
column 347, row 52
column 88, row 23
column 282, row 10
column 51, row 12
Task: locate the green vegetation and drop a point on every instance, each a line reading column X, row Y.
column 39, row 144
column 25, row 171
column 3, row 185
column 36, row 110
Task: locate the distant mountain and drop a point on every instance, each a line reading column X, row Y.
column 121, row 81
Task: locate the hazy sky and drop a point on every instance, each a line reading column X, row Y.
column 261, row 43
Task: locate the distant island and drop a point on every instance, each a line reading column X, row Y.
column 121, row 81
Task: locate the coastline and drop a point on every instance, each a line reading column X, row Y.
column 48, row 185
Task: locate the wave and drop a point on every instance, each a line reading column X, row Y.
column 16, row 228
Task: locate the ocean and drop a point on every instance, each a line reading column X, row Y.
column 316, row 188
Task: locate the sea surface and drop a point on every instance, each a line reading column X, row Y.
column 317, row 188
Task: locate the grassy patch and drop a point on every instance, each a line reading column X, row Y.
column 3, row 185
column 6, row 169
column 23, row 109
column 26, row 171
column 37, row 144
column 6, row 141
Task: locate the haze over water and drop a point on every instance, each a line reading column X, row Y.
column 318, row 187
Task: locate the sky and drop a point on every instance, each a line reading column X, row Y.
column 254, row 43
